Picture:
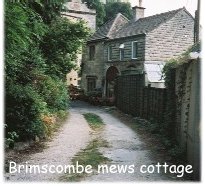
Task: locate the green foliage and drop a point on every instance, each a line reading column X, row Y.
column 88, row 156
column 93, row 120
column 60, row 44
column 23, row 109
column 100, row 11
column 53, row 92
column 24, row 29
column 62, row 114
column 37, row 44
column 11, row 138
column 174, row 101
column 169, row 72
column 111, row 9
column 48, row 10
column 178, row 154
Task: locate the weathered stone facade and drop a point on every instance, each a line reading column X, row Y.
column 76, row 11
column 170, row 39
column 93, row 68
column 159, row 38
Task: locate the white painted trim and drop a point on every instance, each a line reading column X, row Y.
column 121, row 54
column 109, row 58
column 122, row 47
column 132, row 48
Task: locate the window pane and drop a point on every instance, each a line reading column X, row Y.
column 134, row 49
column 110, row 53
column 122, row 53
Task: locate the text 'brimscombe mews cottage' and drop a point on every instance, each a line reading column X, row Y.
column 142, row 44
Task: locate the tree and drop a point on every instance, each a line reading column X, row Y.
column 48, row 10
column 38, row 54
column 23, row 63
column 111, row 9
column 60, row 46
column 99, row 7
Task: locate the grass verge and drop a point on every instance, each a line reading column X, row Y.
column 94, row 120
column 88, row 156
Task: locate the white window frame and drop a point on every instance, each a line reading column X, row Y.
column 122, row 48
column 108, row 53
column 133, row 49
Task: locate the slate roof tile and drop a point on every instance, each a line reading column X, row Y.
column 110, row 27
column 120, row 26
column 146, row 24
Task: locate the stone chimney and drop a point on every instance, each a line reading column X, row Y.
column 138, row 11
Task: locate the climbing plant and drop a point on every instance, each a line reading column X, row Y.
column 175, row 94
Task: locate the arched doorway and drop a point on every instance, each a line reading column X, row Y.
column 111, row 74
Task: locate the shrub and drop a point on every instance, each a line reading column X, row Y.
column 54, row 93
column 36, row 62
column 24, row 107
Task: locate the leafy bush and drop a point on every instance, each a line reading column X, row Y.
column 60, row 45
column 11, row 138
column 54, row 93
column 178, row 153
column 39, row 53
column 24, row 107
column 100, row 10
column 112, row 8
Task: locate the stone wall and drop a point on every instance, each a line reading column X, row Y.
column 77, row 10
column 170, row 39
column 127, row 49
column 94, row 67
column 188, row 113
column 167, row 41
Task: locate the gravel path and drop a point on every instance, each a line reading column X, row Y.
column 72, row 137
column 125, row 148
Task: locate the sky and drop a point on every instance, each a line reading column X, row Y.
column 159, row 6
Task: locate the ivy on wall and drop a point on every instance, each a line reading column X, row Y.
column 178, row 86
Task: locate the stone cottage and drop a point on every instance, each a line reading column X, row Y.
column 141, row 45
column 75, row 10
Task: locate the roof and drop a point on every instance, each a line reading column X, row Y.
column 146, row 24
column 130, row 28
column 77, row 7
column 109, row 28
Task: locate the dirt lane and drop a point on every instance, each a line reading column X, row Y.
column 125, row 148
column 72, row 137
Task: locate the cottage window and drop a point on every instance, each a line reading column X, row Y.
column 122, row 52
column 91, row 84
column 134, row 50
column 109, row 53
column 92, row 52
